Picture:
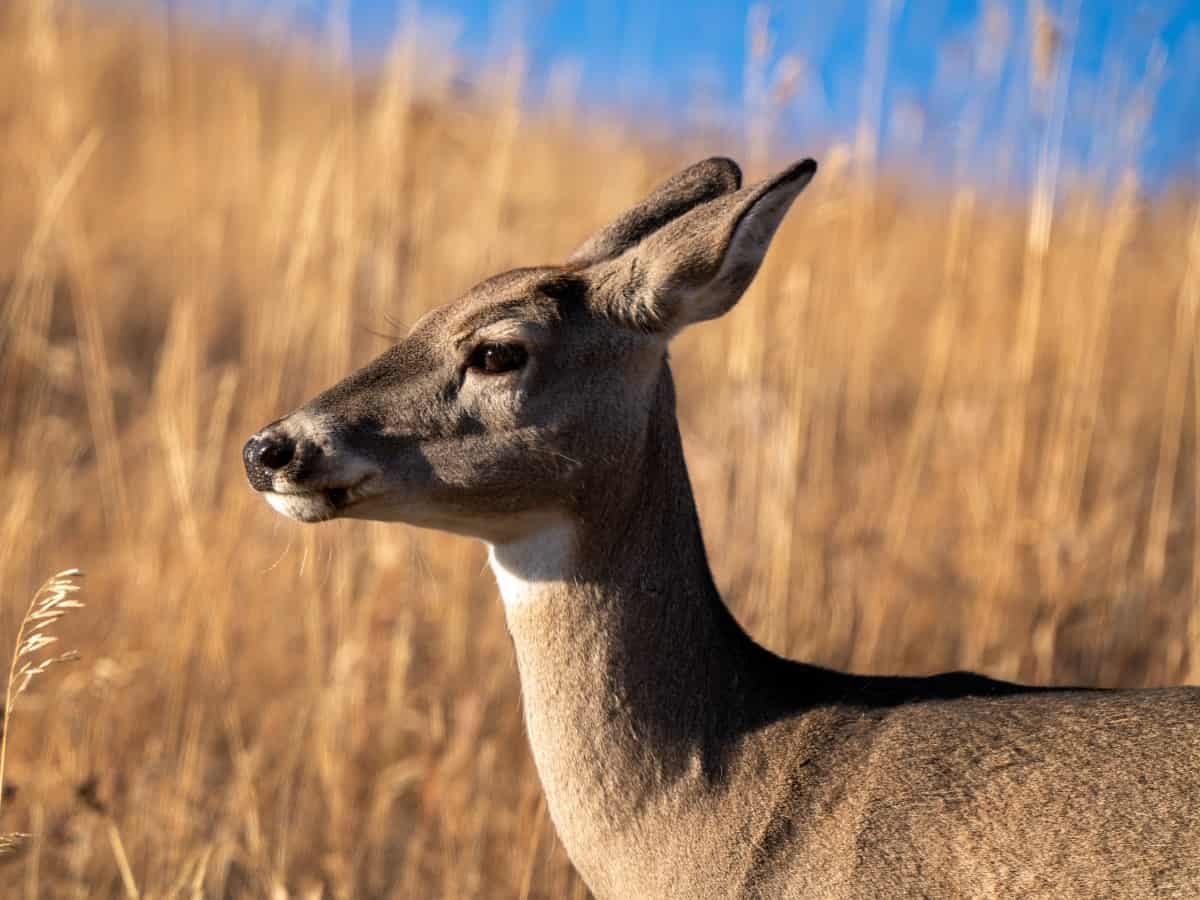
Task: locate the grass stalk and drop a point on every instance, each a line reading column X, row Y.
column 50, row 603
column 1182, row 351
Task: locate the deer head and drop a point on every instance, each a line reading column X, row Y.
column 529, row 394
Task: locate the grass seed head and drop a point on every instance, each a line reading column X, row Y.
column 51, row 602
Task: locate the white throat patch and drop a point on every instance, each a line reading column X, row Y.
column 524, row 566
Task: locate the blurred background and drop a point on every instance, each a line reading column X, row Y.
column 953, row 423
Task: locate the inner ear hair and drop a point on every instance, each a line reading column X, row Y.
column 684, row 191
column 698, row 265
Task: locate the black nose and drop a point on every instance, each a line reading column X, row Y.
column 276, row 450
column 267, row 452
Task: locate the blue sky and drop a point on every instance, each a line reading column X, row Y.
column 659, row 60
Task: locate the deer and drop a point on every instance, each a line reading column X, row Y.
column 678, row 757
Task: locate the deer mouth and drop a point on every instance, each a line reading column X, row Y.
column 315, row 505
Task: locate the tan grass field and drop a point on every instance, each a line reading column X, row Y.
column 926, row 439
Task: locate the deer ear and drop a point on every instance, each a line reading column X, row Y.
column 697, row 266
column 696, row 184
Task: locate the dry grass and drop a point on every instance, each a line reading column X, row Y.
column 940, row 431
column 29, row 660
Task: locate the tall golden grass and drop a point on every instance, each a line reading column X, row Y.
column 941, row 430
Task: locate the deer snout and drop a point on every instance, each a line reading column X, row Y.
column 266, row 453
column 305, row 470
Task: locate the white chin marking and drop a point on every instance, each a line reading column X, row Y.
column 301, row 507
column 527, row 565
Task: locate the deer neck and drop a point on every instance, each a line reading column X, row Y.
column 629, row 660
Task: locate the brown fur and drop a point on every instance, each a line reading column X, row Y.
column 679, row 758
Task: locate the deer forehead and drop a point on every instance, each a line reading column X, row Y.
column 532, row 296
column 514, row 330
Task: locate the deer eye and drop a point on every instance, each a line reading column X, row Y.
column 495, row 359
